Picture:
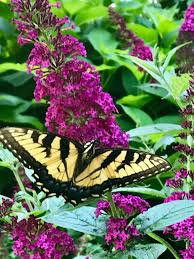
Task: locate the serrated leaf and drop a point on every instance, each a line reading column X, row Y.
column 82, row 220
column 148, row 251
column 163, row 215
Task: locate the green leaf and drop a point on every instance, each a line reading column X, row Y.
column 12, row 66
column 164, row 142
column 149, row 35
column 164, row 22
column 141, row 190
column 155, row 129
column 137, row 101
column 82, row 220
column 5, row 11
column 138, row 116
column 148, row 251
column 102, row 40
column 154, row 89
column 170, row 55
column 74, row 6
column 163, row 215
column 148, row 66
column 178, row 84
column 91, row 14
column 130, row 82
column 173, row 119
column 17, row 78
column 104, row 67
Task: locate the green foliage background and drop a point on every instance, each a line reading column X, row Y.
column 146, row 109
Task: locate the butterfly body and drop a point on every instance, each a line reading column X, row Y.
column 65, row 167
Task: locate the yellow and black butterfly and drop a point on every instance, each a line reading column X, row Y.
column 65, row 167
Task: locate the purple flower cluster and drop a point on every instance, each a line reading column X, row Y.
column 188, row 253
column 186, row 34
column 179, row 178
column 129, row 204
column 78, row 107
column 188, row 24
column 130, row 40
column 183, row 230
column 37, row 240
column 34, row 18
column 5, row 207
column 119, row 233
column 102, row 206
column 187, row 112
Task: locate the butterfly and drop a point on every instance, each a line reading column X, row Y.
column 77, row 172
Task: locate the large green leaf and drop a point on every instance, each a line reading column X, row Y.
column 74, row 6
column 17, row 78
column 148, row 251
column 141, row 190
column 102, row 40
column 82, row 220
column 137, row 101
column 5, row 10
column 156, row 129
column 149, row 35
column 138, row 116
column 172, row 119
column 13, row 107
column 91, row 14
column 12, row 66
column 130, row 82
column 163, row 215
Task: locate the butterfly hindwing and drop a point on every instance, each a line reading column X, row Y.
column 119, row 167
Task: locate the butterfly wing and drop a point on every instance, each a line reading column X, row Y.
column 60, row 170
column 52, row 158
column 118, row 167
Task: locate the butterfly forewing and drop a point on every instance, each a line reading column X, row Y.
column 52, row 158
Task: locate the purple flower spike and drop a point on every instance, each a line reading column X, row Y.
column 130, row 204
column 119, row 233
column 35, row 239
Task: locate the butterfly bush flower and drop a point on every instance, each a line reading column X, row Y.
column 186, row 34
column 34, row 239
column 119, row 232
column 130, row 40
column 78, row 107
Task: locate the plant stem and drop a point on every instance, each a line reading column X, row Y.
column 112, row 205
column 21, row 186
column 165, row 243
